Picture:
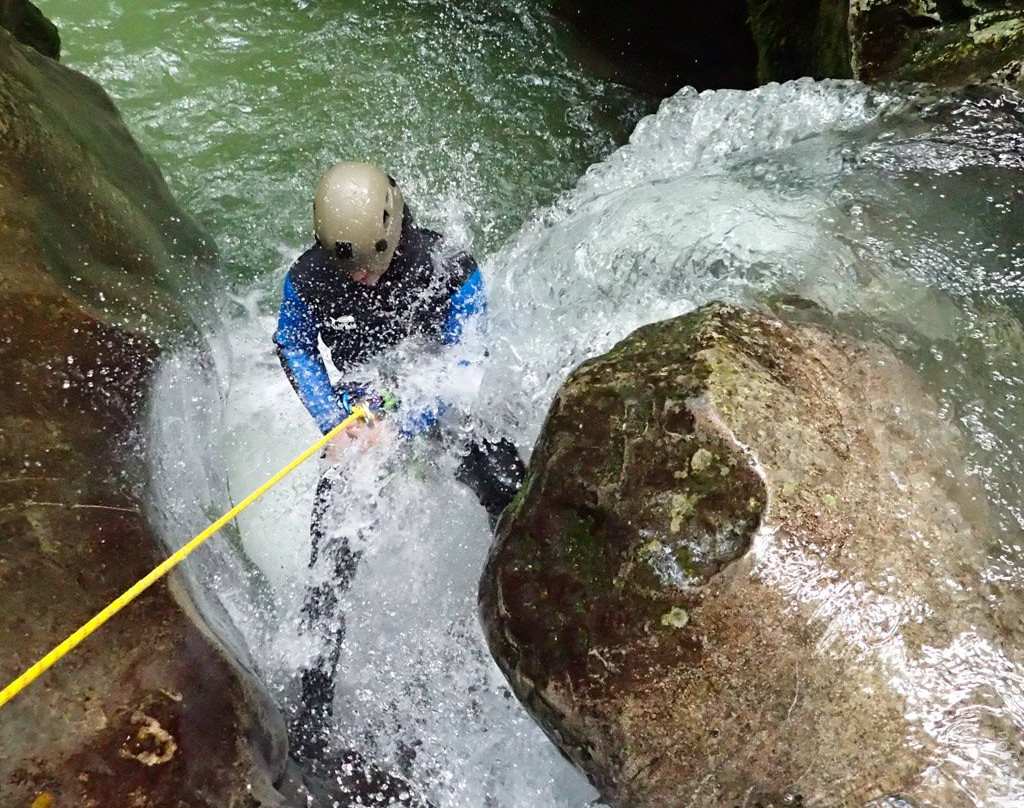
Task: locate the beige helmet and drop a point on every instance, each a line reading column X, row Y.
column 357, row 215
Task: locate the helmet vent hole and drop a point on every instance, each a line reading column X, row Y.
column 381, row 245
column 343, row 249
column 392, row 181
column 387, row 218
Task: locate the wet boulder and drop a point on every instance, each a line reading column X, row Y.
column 30, row 27
column 748, row 567
column 153, row 709
column 951, row 43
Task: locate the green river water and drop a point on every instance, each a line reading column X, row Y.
column 476, row 109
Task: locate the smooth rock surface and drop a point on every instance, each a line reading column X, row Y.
column 28, row 25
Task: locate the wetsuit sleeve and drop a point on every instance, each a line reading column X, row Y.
column 467, row 302
column 296, row 340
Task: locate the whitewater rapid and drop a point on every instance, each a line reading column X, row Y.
column 880, row 207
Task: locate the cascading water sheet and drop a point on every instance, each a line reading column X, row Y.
column 808, row 191
column 890, row 215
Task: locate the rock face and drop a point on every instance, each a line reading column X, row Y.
column 946, row 42
column 151, row 710
column 745, row 569
column 796, row 39
column 951, row 43
column 661, row 47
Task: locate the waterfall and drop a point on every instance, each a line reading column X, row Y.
column 897, row 211
column 881, row 208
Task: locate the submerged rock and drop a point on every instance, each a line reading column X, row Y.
column 747, row 568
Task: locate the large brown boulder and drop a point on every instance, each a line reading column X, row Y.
column 747, row 568
column 152, row 710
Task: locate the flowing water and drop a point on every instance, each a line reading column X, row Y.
column 897, row 211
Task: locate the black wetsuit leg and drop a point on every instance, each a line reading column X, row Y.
column 493, row 470
column 335, row 776
column 322, row 618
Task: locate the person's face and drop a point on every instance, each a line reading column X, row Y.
column 366, row 277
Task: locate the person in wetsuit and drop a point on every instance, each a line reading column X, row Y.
column 371, row 279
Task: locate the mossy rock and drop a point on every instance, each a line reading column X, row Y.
column 714, row 587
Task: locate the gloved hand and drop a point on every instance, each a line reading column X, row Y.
column 363, row 432
column 377, row 405
column 381, row 404
column 418, row 421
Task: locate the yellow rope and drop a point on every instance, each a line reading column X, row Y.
column 160, row 570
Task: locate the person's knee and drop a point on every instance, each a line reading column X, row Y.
column 493, row 470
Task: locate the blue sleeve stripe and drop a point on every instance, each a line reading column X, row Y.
column 308, row 376
column 297, row 348
column 467, row 302
column 296, row 325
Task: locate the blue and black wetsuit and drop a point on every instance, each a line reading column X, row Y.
column 422, row 293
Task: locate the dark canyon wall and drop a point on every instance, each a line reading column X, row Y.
column 152, row 710
column 741, row 43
